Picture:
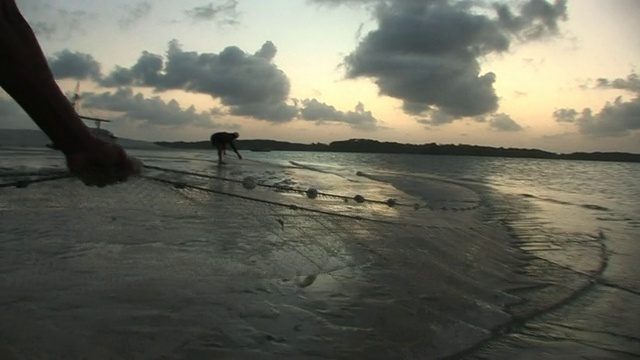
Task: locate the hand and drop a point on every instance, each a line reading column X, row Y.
column 102, row 164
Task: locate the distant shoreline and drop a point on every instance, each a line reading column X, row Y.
column 374, row 146
column 36, row 138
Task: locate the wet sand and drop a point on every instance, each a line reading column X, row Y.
column 144, row 270
column 587, row 299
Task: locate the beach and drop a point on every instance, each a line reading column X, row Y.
column 471, row 259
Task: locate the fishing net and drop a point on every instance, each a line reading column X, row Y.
column 176, row 264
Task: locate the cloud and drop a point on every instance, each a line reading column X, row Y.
column 247, row 84
column 504, row 123
column 427, row 53
column 496, row 121
column 135, row 13
column 52, row 22
column 277, row 112
column 344, row 2
column 43, row 29
column 224, row 13
column 437, row 118
column 147, row 71
column 62, row 20
column 74, row 65
column 267, row 51
column 631, row 83
column 617, row 118
column 537, row 19
column 565, row 115
column 137, row 108
column 319, row 112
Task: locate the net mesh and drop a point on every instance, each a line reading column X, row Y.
column 181, row 266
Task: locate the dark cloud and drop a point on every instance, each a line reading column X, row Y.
column 248, row 84
column 427, row 53
column 537, row 19
column 135, row 13
column 267, row 51
column 277, row 112
column 617, row 118
column 137, row 108
column 74, row 65
column 497, row 122
column 437, row 118
column 146, row 72
column 319, row 112
column 631, row 83
column 343, row 2
column 415, row 108
column 565, row 115
column 120, row 76
column 503, row 122
column 223, row 13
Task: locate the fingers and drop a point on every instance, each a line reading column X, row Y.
column 104, row 164
column 98, row 177
column 134, row 166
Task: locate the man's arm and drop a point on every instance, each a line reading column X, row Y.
column 26, row 77
column 233, row 146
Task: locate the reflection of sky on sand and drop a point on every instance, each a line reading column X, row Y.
column 176, row 270
column 582, row 245
column 413, row 197
column 301, row 179
column 196, row 274
column 578, row 232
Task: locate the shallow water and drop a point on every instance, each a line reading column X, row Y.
column 479, row 258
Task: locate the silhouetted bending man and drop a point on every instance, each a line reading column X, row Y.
column 220, row 140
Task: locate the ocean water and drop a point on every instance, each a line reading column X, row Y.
column 446, row 257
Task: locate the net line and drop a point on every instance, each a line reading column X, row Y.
column 308, row 192
column 24, row 179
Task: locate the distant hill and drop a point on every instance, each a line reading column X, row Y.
column 374, row 146
column 36, row 138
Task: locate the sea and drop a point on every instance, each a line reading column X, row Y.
column 318, row 255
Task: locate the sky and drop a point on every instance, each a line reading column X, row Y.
column 557, row 75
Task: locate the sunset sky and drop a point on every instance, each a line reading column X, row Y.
column 558, row 75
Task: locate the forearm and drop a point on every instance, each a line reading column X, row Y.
column 26, row 77
column 233, row 146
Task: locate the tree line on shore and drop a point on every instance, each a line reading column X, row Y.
column 374, row 146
